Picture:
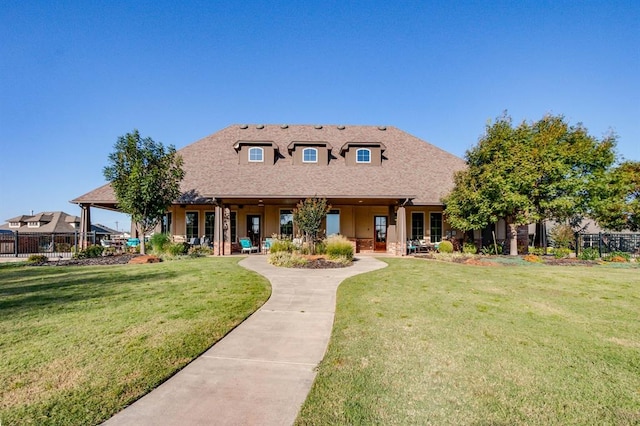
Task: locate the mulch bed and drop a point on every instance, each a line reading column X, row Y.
column 321, row 263
column 119, row 259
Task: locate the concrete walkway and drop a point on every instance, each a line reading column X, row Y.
column 261, row 372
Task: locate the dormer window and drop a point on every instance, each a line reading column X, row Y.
column 309, row 152
column 256, row 154
column 310, row 155
column 363, row 155
column 14, row 224
column 33, row 224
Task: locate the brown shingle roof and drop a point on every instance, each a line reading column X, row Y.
column 412, row 167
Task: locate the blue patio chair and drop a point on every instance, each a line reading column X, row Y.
column 411, row 247
column 266, row 245
column 247, row 246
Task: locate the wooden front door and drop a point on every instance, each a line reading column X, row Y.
column 380, row 233
column 253, row 229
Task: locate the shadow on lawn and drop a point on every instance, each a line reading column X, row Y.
column 30, row 288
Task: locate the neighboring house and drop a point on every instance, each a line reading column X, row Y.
column 384, row 185
column 53, row 223
column 45, row 231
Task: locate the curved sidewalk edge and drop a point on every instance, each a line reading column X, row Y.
column 261, row 372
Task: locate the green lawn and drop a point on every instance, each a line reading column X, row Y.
column 79, row 343
column 424, row 342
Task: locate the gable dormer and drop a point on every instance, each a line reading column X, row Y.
column 256, row 152
column 363, row 153
column 310, row 153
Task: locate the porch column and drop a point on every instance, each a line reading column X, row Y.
column 85, row 225
column 227, row 230
column 401, row 230
column 218, row 232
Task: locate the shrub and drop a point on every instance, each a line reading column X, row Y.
column 560, row 253
column 537, row 251
column 177, row 249
column 532, row 258
column 338, row 246
column 469, row 248
column 321, row 247
column 589, row 253
column 89, row 252
column 63, row 247
column 37, row 258
column 278, row 245
column 617, row 256
column 199, row 251
column 286, row 259
column 159, row 243
column 491, row 249
column 445, row 247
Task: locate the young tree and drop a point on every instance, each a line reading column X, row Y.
column 527, row 173
column 308, row 216
column 145, row 178
column 617, row 204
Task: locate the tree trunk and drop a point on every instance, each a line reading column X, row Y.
column 512, row 233
column 142, row 247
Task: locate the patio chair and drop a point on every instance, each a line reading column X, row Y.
column 411, row 247
column 247, row 246
column 266, row 245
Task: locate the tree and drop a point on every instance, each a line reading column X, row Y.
column 308, row 216
column 617, row 204
column 145, row 178
column 527, row 173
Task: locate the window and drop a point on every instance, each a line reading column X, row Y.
column 286, row 223
column 435, row 221
column 33, row 224
column 417, row 225
column 256, row 155
column 209, row 224
column 14, row 224
column 310, row 155
column 363, row 155
column 192, row 225
column 333, row 222
column 165, row 225
column 232, row 226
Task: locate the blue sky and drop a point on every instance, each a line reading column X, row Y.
column 75, row 75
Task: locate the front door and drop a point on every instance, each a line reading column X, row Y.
column 380, row 233
column 253, row 229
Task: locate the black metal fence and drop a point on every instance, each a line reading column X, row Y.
column 607, row 243
column 60, row 244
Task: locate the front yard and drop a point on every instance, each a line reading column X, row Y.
column 80, row 343
column 425, row 342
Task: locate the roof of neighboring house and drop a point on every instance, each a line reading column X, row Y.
column 52, row 222
column 412, row 168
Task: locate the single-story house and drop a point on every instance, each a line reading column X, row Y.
column 384, row 186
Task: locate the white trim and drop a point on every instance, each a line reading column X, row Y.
column 315, row 151
column 261, row 160
column 363, row 149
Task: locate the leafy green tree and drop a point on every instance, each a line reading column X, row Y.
column 308, row 216
column 527, row 173
column 617, row 204
column 145, row 178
